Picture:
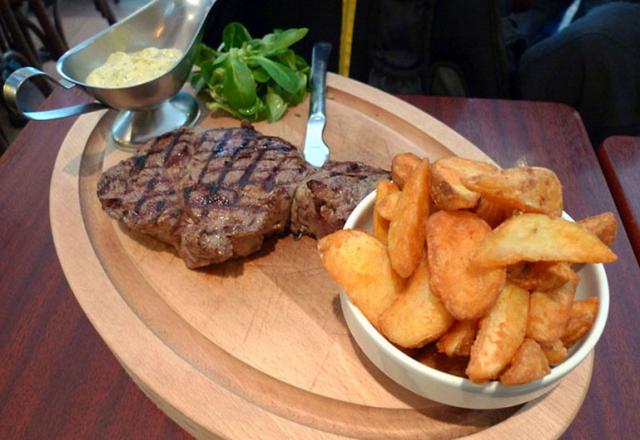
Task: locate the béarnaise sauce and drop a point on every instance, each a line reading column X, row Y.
column 127, row 69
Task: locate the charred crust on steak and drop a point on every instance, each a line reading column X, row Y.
column 216, row 194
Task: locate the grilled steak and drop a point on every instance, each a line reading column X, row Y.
column 216, row 194
column 324, row 200
column 213, row 194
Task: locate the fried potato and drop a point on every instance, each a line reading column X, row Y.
column 538, row 237
column 432, row 358
column 467, row 292
column 549, row 313
column 406, row 231
column 388, row 205
column 500, row 334
column 541, row 276
column 417, row 317
column 402, row 166
column 528, row 364
column 360, row 265
column 380, row 223
column 528, row 189
column 447, row 191
column 604, row 226
column 581, row 317
column 457, row 341
column 555, row 352
column 491, row 213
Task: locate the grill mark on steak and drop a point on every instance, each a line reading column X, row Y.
column 228, row 166
column 270, row 181
column 140, row 163
column 170, row 147
column 215, row 194
column 214, row 198
column 214, row 152
column 246, row 176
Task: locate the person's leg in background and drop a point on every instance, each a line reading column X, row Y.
column 592, row 65
column 540, row 20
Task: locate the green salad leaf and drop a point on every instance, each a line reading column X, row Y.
column 252, row 78
column 234, row 34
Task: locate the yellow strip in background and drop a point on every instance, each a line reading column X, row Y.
column 346, row 35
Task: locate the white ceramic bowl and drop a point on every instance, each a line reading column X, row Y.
column 453, row 390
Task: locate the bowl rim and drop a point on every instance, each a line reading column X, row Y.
column 492, row 387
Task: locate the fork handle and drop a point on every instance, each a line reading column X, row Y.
column 319, row 61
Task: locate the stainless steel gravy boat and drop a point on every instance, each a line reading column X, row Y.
column 148, row 109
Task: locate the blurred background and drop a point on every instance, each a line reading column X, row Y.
column 584, row 53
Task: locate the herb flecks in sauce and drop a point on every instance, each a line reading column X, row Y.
column 128, row 69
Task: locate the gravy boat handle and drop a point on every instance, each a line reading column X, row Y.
column 18, row 78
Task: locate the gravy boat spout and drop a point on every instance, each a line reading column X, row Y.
column 147, row 109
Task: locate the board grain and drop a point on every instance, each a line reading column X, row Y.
column 258, row 347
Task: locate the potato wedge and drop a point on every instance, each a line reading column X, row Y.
column 604, row 226
column 538, row 237
column 549, row 313
column 380, row 223
column 528, row 189
column 541, row 276
column 417, row 317
column 555, row 352
column 500, row 334
column 447, row 191
column 457, row 341
column 360, row 265
column 406, row 231
column 388, row 205
column 432, row 358
column 581, row 317
column 466, row 291
column 528, row 364
column 402, row 165
column 491, row 213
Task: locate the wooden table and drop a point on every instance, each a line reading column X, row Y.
column 620, row 160
column 58, row 379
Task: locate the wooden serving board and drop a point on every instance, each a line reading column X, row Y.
column 258, row 348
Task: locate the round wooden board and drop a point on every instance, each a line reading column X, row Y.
column 258, row 348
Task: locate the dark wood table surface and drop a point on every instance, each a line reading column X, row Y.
column 59, row 380
column 620, row 160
